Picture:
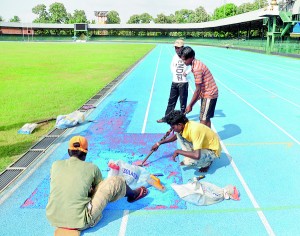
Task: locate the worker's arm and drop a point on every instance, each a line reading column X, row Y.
column 194, row 99
column 195, row 154
column 168, row 140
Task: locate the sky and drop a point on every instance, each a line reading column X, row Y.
column 125, row 8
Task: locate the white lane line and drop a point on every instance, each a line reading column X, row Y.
column 124, row 222
column 269, row 91
column 272, row 72
column 284, row 84
column 243, row 182
column 248, row 191
column 151, row 93
column 262, row 114
column 36, row 164
column 272, row 66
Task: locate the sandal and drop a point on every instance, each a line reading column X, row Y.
column 235, row 195
column 142, row 193
column 204, row 169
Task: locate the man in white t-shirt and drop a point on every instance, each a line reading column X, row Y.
column 180, row 85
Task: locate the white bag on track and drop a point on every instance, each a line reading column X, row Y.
column 204, row 193
column 135, row 176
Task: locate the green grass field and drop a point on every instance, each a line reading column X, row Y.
column 43, row 80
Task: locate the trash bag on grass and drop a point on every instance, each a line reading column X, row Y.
column 70, row 120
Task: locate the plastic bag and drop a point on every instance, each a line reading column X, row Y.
column 70, row 120
column 135, row 176
column 204, row 193
column 27, row 128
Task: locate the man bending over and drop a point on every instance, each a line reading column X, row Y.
column 200, row 145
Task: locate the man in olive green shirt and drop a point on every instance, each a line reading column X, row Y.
column 200, row 145
column 79, row 194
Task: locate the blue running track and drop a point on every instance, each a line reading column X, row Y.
column 257, row 118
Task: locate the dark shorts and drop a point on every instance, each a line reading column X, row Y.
column 208, row 106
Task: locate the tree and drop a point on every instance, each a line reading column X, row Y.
column 15, row 19
column 1, row 19
column 245, row 7
column 258, row 4
column 183, row 16
column 162, row 19
column 145, row 18
column 199, row 15
column 113, row 17
column 78, row 17
column 43, row 15
column 171, row 18
column 57, row 13
column 224, row 11
column 134, row 19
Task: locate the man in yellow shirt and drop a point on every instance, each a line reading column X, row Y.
column 200, row 145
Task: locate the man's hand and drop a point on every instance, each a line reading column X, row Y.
column 175, row 154
column 188, row 109
column 155, row 147
column 91, row 192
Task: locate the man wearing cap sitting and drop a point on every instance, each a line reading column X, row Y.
column 180, row 86
column 79, row 194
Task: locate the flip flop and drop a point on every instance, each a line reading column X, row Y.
column 204, row 169
column 162, row 120
column 235, row 195
column 143, row 193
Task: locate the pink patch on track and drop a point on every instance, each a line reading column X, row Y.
column 158, row 207
column 138, row 162
column 28, row 201
column 173, row 173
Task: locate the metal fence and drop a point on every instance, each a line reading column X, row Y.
column 289, row 47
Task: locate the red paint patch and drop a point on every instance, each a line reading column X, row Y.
column 137, row 163
column 159, row 207
column 173, row 173
column 28, row 201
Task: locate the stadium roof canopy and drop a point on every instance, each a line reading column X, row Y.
column 241, row 21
